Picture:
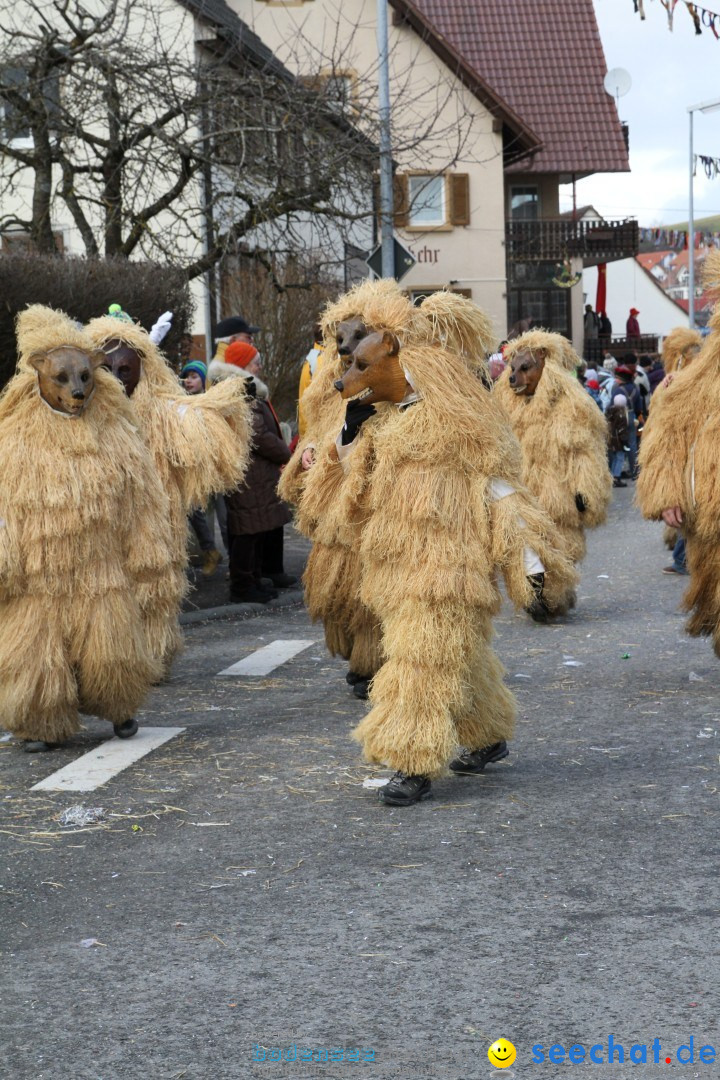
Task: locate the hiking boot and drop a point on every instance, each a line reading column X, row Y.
column 283, row 581
column 210, row 561
column 474, row 761
column 252, row 596
column 38, row 746
column 126, row 730
column 403, row 790
column 360, row 689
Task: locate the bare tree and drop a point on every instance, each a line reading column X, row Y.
column 162, row 143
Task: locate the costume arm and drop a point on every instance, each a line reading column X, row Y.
column 664, row 452
column 11, row 563
column 146, row 520
column 582, row 438
column 209, row 436
column 523, row 536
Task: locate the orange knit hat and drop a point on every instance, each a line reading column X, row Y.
column 240, row 353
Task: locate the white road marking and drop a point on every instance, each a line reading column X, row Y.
column 95, row 768
column 265, row 660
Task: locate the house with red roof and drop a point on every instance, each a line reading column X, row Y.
column 495, row 104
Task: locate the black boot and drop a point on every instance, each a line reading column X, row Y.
column 360, row 689
column 617, row 482
column 404, row 790
column 538, row 610
column 126, row 730
column 38, row 746
column 283, row 581
column 474, row 761
column 352, row 677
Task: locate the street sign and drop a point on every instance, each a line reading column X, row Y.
column 404, row 261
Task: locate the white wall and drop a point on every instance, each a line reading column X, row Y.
column 628, row 285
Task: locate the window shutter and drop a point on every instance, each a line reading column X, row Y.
column 401, row 201
column 459, row 199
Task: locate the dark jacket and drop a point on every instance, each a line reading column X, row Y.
column 255, row 506
column 618, row 427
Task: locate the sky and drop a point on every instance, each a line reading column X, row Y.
column 669, row 72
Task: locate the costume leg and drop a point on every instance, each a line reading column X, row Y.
column 38, row 691
column 108, row 651
column 420, row 687
column 489, row 716
column 366, row 656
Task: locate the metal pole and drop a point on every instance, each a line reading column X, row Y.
column 691, row 234
column 386, row 172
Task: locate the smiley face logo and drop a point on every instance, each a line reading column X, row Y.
column 502, row 1053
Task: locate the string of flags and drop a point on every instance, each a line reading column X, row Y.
column 677, row 239
column 711, row 166
column 702, row 17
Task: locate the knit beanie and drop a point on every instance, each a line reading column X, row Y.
column 620, row 399
column 240, row 353
column 198, row 367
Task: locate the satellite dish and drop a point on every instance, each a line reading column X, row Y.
column 617, row 82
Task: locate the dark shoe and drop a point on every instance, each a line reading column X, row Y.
column 672, row 569
column 352, row 677
column 126, row 730
column 538, row 609
column 617, row 482
column 360, row 689
column 252, row 596
column 272, row 593
column 626, row 475
column 474, row 761
column 37, row 746
column 283, row 581
column 403, row 790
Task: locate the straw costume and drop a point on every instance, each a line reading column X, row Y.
column 409, row 521
column 199, row 444
column 678, row 460
column 83, row 541
column 563, row 436
column 680, row 348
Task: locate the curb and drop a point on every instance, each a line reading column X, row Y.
column 289, row 598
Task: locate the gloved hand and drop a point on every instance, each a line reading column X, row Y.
column 250, row 388
column 161, row 327
column 355, row 416
column 580, row 503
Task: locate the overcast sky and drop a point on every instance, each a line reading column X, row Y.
column 669, row 71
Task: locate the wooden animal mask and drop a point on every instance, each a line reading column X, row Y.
column 124, row 363
column 66, row 378
column 526, row 370
column 375, row 373
column 349, row 334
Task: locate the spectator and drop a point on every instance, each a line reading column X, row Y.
column 591, row 324
column 194, row 376
column 618, row 433
column 632, row 326
column 625, row 384
column 313, row 363
column 653, row 370
column 605, row 328
column 234, row 328
column 593, row 388
column 255, row 510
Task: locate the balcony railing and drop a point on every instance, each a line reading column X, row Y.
column 561, row 238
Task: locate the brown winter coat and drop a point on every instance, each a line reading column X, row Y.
column 618, row 428
column 255, row 505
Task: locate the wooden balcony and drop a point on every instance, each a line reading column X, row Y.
column 555, row 239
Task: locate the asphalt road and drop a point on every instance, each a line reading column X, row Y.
column 245, row 890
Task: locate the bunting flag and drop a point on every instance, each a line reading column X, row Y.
column 677, row 239
column 711, row 165
column 701, row 16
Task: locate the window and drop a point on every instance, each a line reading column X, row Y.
column 14, row 124
column 524, row 203
column 427, row 201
